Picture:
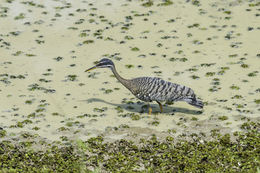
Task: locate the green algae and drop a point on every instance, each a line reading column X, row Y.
column 220, row 154
column 223, row 118
column 135, row 49
column 133, row 116
column 71, row 77
column 2, row 133
column 162, row 46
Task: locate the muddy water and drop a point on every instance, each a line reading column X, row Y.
column 212, row 47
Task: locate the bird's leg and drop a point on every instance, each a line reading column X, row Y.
column 150, row 109
column 161, row 108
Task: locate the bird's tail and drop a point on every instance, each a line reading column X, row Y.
column 195, row 102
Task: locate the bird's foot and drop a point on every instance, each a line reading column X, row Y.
column 150, row 110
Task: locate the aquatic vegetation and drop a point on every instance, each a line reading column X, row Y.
column 253, row 74
column 59, row 58
column 194, row 119
column 223, row 118
column 30, row 55
column 46, row 46
column 165, row 3
column 128, row 37
column 148, row 154
column 100, row 109
column 133, row 116
column 2, row 133
column 71, row 77
column 6, row 78
column 257, row 101
column 20, row 16
column 107, row 91
column 244, row 66
column 194, row 77
column 35, row 86
column 237, row 97
column 209, row 74
column 154, row 123
column 234, row 87
column 88, row 41
column 124, row 126
column 149, row 3
column 44, row 80
column 179, row 59
column 129, row 66
column 135, row 49
column 17, row 53
column 119, row 109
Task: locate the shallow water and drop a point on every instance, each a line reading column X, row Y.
column 212, row 47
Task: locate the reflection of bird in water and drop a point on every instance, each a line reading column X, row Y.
column 150, row 89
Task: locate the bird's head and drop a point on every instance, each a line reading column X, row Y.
column 103, row 63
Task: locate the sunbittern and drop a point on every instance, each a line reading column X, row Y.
column 150, row 89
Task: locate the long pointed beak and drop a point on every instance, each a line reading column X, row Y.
column 92, row 68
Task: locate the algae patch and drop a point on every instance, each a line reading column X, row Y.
column 168, row 155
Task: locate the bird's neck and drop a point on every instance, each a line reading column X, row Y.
column 125, row 82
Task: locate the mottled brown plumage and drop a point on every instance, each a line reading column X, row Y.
column 150, row 89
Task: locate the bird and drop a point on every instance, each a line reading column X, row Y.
column 149, row 89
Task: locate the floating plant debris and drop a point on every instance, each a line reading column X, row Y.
column 55, row 117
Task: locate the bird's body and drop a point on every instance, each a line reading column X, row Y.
column 156, row 89
column 150, row 89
